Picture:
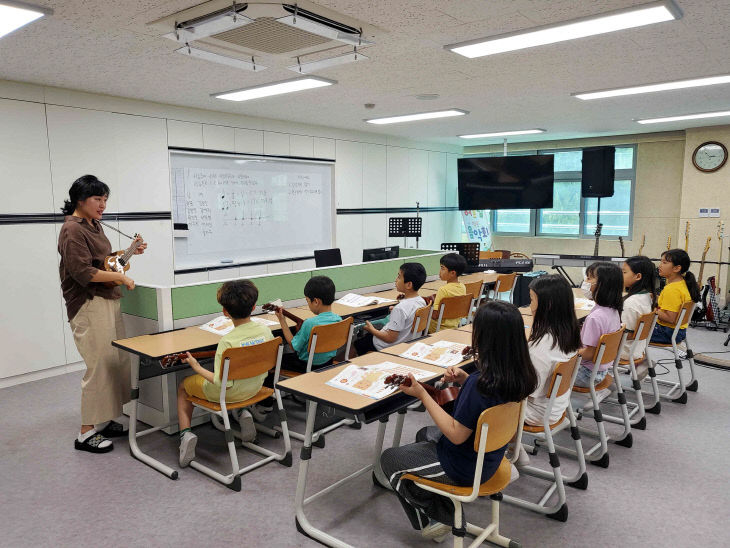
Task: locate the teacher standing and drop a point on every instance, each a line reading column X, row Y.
column 94, row 313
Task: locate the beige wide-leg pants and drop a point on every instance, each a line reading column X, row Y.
column 107, row 382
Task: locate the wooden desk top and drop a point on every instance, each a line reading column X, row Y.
column 345, row 311
column 393, row 293
column 527, row 319
column 313, row 385
column 579, row 313
column 466, row 279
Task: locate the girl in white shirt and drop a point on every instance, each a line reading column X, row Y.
column 555, row 338
column 640, row 281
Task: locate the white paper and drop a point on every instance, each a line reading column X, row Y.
column 368, row 380
column 441, row 353
column 263, row 321
column 220, row 326
column 354, row 300
column 584, row 304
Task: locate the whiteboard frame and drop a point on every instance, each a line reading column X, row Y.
column 243, row 155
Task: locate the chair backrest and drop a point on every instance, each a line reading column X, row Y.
column 645, row 322
column 327, row 257
column 505, row 282
column 503, row 421
column 688, row 308
column 490, row 255
column 330, row 336
column 456, row 307
column 612, row 344
column 421, row 320
column 565, row 371
column 250, row 361
column 474, row 289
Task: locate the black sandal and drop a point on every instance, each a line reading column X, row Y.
column 92, row 443
column 113, row 430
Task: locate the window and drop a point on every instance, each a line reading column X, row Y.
column 572, row 215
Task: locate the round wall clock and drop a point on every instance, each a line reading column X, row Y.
column 709, row 156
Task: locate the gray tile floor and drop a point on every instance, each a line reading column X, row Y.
column 670, row 489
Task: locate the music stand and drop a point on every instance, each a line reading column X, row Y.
column 470, row 251
column 405, row 227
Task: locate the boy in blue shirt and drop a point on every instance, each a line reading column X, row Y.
column 319, row 292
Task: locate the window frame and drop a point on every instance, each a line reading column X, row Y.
column 623, row 174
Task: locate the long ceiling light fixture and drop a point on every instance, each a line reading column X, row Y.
column 651, row 88
column 314, row 66
column 222, row 59
column 635, row 16
column 214, row 23
column 684, row 117
column 418, row 116
column 502, row 133
column 276, row 88
column 322, row 26
column 14, row 15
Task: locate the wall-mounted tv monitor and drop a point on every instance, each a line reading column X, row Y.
column 380, row 253
column 509, row 182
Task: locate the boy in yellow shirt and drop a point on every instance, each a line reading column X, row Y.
column 452, row 266
column 238, row 299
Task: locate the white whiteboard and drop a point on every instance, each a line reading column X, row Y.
column 248, row 209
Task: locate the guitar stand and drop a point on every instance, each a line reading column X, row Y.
column 564, row 274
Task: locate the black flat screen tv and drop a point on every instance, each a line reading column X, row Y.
column 508, row 182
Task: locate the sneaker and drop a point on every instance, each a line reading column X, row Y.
column 436, row 530
column 187, row 448
column 260, row 411
column 248, row 429
column 93, row 442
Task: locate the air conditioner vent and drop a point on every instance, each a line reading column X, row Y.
column 267, row 35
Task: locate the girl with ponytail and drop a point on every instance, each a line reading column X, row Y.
column 681, row 287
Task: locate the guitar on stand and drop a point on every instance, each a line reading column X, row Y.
column 641, row 247
column 701, row 309
column 720, row 238
column 597, row 234
column 621, row 243
column 669, row 243
column 686, row 236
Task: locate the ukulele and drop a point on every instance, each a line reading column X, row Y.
column 444, row 397
column 720, row 238
column 270, row 307
column 621, row 243
column 176, row 359
column 669, row 243
column 712, row 312
column 701, row 308
column 119, row 261
column 641, row 247
column 597, row 234
column 686, row 236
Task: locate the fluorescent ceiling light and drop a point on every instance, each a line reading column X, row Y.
column 636, row 16
column 502, row 133
column 220, row 21
column 684, row 117
column 277, row 88
column 651, row 88
column 418, row 116
column 14, row 15
column 314, row 66
column 222, row 59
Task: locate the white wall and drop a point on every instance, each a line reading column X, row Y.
column 51, row 136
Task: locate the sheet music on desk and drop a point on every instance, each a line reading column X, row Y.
column 368, row 380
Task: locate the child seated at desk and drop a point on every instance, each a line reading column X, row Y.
column 319, row 292
column 445, row 452
column 238, row 299
column 410, row 278
column 453, row 265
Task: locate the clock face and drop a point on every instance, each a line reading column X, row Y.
column 710, row 156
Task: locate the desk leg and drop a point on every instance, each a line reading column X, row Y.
column 134, row 449
column 379, row 478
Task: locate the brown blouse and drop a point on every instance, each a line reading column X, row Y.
column 83, row 248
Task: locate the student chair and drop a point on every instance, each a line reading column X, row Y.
column 496, row 427
column 324, row 338
column 678, row 390
column 505, row 284
column 638, row 370
column 561, row 383
column 244, row 363
column 452, row 308
column 608, row 351
column 421, row 320
column 474, row 289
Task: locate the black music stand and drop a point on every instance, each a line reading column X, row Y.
column 405, row 227
column 470, row 251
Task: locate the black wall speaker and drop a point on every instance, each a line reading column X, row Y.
column 598, row 172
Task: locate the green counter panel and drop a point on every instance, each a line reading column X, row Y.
column 362, row 275
column 141, row 302
column 430, row 263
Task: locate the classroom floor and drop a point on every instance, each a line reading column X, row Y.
column 670, row 489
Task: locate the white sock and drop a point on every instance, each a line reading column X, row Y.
column 86, row 435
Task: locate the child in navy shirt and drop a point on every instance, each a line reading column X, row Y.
column 445, row 452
